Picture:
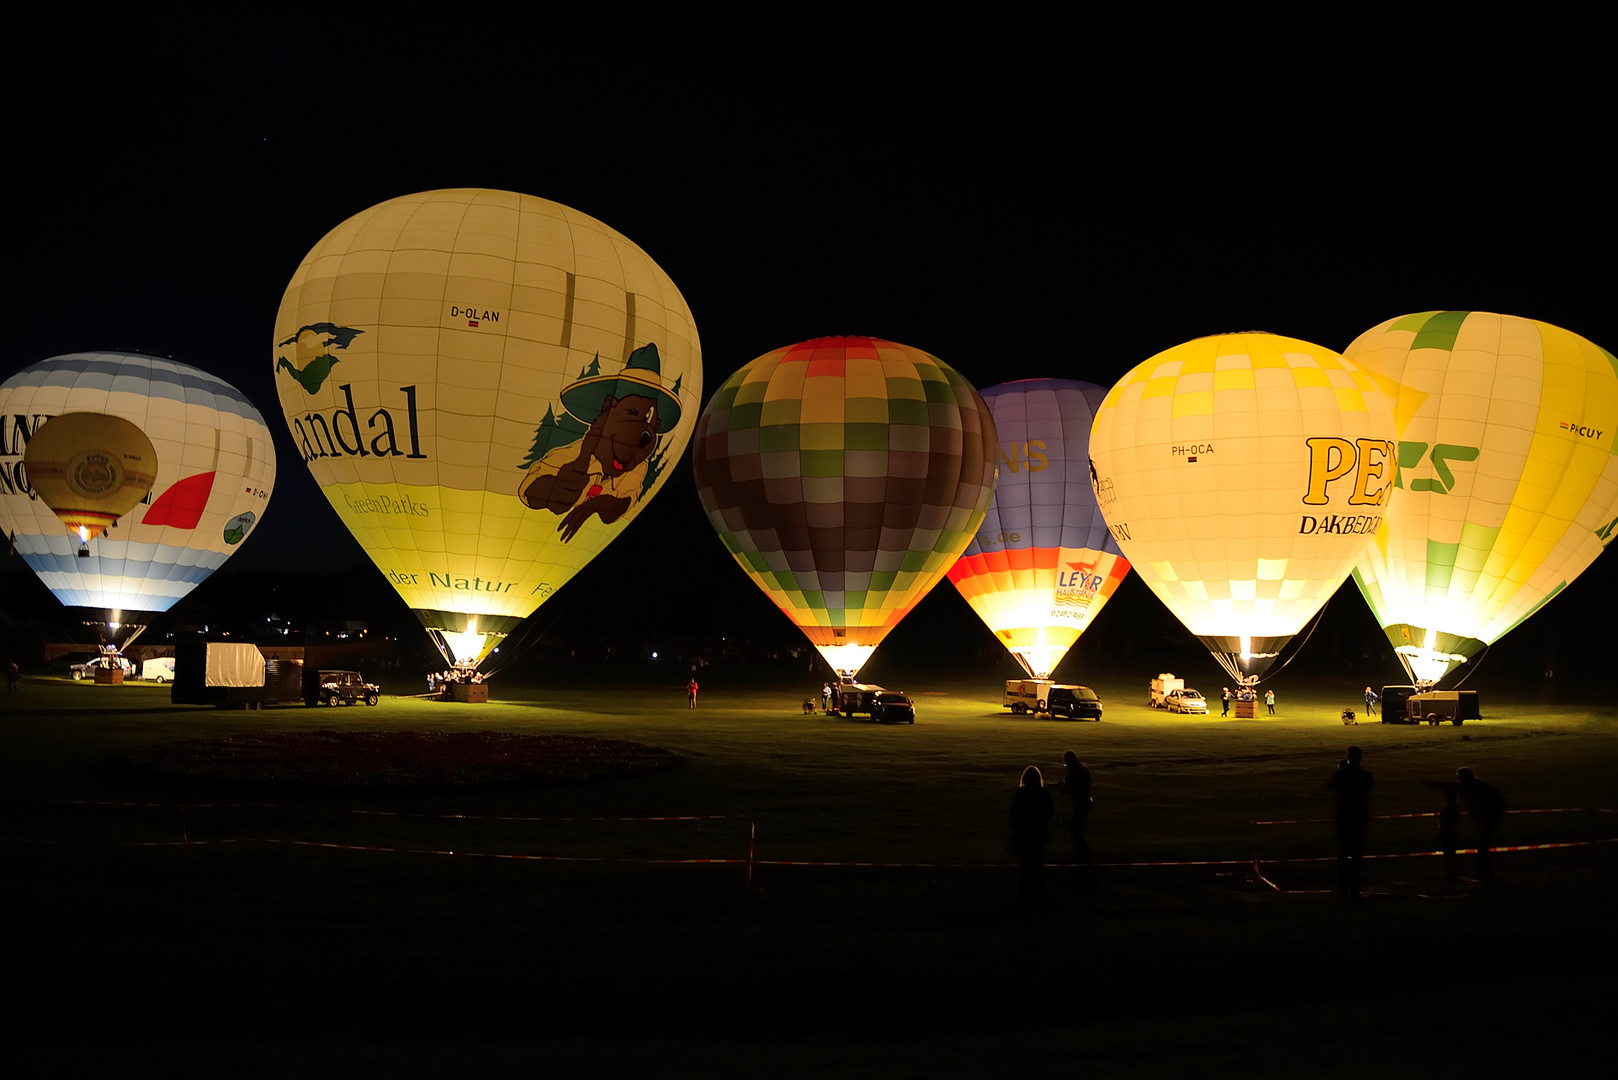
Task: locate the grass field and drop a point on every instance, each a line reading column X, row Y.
column 263, row 932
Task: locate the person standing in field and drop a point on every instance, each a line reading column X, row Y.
column 1449, row 821
column 1269, row 701
column 691, row 693
column 1370, row 701
column 825, row 698
column 1076, row 785
column 1031, row 813
column 1224, row 700
column 1485, row 806
column 1350, row 818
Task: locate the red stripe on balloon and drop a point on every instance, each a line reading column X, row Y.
column 1004, row 560
column 182, row 504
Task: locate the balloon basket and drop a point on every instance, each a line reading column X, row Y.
column 468, row 693
column 1246, row 710
column 109, row 676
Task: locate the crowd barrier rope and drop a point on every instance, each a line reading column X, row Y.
column 750, row 860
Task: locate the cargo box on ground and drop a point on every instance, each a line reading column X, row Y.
column 230, row 675
column 1157, row 695
column 1441, row 706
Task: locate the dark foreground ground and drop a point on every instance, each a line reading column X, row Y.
column 178, row 929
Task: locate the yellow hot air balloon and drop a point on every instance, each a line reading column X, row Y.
column 1242, row 475
column 90, row 468
column 1508, row 483
column 487, row 386
column 845, row 475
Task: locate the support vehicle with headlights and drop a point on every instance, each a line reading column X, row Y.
column 1162, row 686
column 1035, row 696
column 1185, row 700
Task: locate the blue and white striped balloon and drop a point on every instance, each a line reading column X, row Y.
column 215, row 471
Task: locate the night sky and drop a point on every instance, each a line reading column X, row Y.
column 1021, row 201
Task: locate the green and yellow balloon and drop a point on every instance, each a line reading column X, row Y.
column 1508, row 483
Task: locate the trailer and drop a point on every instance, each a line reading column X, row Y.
column 159, row 669
column 1157, row 696
column 230, row 675
column 1441, row 706
column 849, row 698
column 1035, row 696
column 1027, row 695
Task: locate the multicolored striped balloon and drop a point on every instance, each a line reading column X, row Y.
column 1243, row 475
column 1043, row 564
column 215, row 469
column 845, row 475
column 1508, row 483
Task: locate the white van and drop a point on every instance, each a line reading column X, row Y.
column 158, row 669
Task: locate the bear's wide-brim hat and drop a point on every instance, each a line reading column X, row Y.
column 642, row 374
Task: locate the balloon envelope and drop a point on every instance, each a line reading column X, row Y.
column 845, row 475
column 1242, row 475
column 1042, row 564
column 486, row 386
column 1508, row 487
column 215, row 469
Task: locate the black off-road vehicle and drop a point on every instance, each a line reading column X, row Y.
column 337, row 687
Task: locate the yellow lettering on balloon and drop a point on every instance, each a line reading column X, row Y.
column 1330, row 458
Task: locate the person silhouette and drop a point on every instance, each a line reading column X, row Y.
column 1485, row 806
column 1449, row 820
column 1076, row 785
column 1030, row 829
column 1350, row 819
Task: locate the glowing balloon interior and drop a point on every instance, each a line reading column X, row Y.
column 487, row 386
column 90, row 469
column 204, row 477
column 1508, row 484
column 1042, row 564
column 1242, row 475
column 845, row 475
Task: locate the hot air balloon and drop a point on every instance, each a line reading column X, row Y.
column 845, row 475
column 128, row 479
column 1507, row 489
column 1242, row 475
column 487, row 386
column 1043, row 564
